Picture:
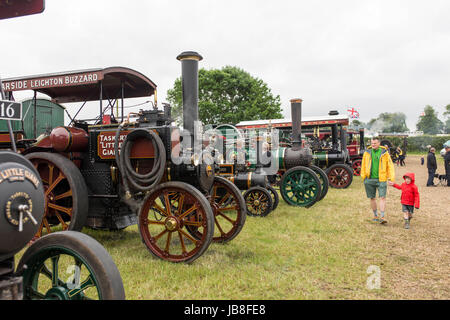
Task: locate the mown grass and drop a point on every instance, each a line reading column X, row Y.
column 294, row 253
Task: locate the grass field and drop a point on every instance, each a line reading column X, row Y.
column 325, row 252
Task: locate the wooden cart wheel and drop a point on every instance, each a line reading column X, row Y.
column 69, row 266
column 340, row 175
column 66, row 196
column 166, row 214
column 356, row 165
column 258, row 201
column 300, row 187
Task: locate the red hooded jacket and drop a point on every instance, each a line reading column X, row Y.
column 410, row 192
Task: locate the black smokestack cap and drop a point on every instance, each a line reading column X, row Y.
column 296, row 116
column 189, row 79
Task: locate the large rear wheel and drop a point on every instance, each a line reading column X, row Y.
column 66, row 195
column 323, row 181
column 340, row 175
column 229, row 209
column 356, row 165
column 275, row 197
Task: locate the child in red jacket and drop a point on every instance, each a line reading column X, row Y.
column 410, row 197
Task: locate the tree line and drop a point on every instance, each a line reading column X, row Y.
column 230, row 95
column 429, row 122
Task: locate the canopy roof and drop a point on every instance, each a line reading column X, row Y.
column 85, row 85
column 306, row 121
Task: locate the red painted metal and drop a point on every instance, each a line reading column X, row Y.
column 18, row 8
column 65, row 139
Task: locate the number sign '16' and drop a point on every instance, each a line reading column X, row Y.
column 10, row 110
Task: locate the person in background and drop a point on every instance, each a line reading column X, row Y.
column 410, row 198
column 400, row 156
column 432, row 167
column 447, row 163
column 376, row 168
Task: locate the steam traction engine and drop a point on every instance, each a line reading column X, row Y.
column 110, row 175
column 243, row 167
column 334, row 158
column 302, row 184
column 60, row 266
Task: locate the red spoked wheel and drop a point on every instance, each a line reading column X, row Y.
column 356, row 165
column 66, row 196
column 229, row 209
column 167, row 214
column 340, row 175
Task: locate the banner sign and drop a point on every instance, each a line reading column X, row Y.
column 65, row 80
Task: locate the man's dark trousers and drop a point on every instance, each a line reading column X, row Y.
column 431, row 174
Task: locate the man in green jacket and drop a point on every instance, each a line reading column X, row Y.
column 376, row 169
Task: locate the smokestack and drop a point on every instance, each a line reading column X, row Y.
column 362, row 145
column 296, row 115
column 334, row 137
column 189, row 79
column 344, row 141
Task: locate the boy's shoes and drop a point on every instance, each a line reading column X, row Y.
column 375, row 219
column 383, row 221
column 406, row 224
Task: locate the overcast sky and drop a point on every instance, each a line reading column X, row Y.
column 375, row 56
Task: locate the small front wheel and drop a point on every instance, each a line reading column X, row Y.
column 300, row 187
column 259, row 202
column 167, row 217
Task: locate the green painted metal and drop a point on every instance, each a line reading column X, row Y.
column 52, row 262
column 48, row 115
column 300, row 187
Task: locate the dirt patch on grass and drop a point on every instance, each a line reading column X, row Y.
column 416, row 263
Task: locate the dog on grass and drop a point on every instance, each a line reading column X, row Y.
column 442, row 178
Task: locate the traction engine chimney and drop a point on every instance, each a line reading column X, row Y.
column 189, row 79
column 296, row 115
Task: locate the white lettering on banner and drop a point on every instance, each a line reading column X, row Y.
column 50, row 82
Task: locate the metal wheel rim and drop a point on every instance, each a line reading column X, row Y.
column 165, row 214
column 300, row 188
column 74, row 289
column 57, row 190
column 356, row 165
column 258, row 203
column 339, row 177
column 223, row 204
